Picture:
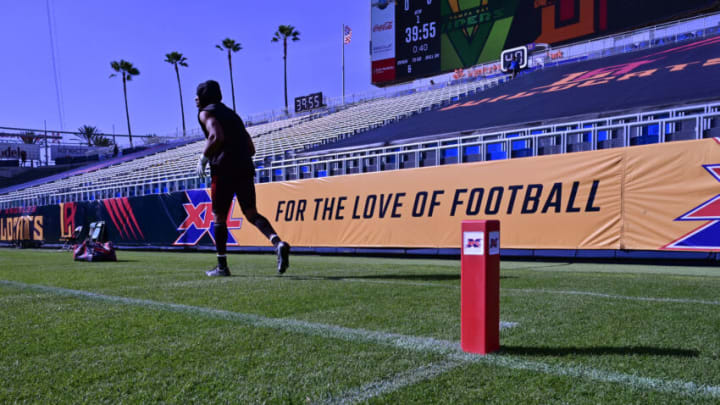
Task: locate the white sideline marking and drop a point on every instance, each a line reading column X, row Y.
column 612, row 296
column 454, row 286
column 422, row 344
column 400, row 380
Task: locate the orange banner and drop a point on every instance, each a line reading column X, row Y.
column 627, row 198
column 544, row 202
column 671, row 196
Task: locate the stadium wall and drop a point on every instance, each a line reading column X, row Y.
column 661, row 197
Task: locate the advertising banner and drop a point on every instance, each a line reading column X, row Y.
column 19, row 151
column 652, row 197
column 540, row 202
column 382, row 42
column 672, row 197
column 60, row 151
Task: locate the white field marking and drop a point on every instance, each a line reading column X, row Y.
column 452, row 350
column 398, row 381
column 193, row 283
column 455, row 286
column 22, row 297
column 612, row 296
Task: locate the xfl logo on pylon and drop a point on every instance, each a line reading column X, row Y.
column 199, row 220
column 473, row 243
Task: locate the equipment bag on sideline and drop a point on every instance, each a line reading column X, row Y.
column 95, row 252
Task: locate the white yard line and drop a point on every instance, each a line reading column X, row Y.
column 454, row 286
column 422, row 344
column 612, row 296
column 398, row 381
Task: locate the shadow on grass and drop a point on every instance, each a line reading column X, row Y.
column 597, row 351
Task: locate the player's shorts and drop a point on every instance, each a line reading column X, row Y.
column 225, row 186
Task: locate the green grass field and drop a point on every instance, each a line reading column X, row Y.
column 153, row 328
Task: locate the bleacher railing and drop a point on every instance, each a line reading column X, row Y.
column 655, row 126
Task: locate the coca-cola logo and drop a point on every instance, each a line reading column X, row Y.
column 382, row 27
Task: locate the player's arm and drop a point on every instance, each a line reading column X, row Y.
column 216, row 137
column 251, row 145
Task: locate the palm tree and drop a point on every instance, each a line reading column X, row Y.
column 175, row 59
column 29, row 137
column 87, row 133
column 93, row 136
column 230, row 46
column 284, row 32
column 99, row 140
column 128, row 71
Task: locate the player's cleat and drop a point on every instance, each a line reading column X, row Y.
column 283, row 259
column 218, row 272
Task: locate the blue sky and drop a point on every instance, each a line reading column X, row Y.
column 89, row 34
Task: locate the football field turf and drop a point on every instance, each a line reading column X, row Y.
column 153, row 328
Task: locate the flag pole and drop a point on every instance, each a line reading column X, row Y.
column 342, row 37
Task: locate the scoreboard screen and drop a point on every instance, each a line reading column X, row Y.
column 417, row 42
column 309, row 102
column 412, row 39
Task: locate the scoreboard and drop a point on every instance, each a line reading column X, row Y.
column 309, row 102
column 417, row 40
column 411, row 39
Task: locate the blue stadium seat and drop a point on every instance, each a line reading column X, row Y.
column 653, row 129
column 448, row 156
column 472, row 153
column 519, row 145
column 500, row 155
column 521, row 153
column 495, row 151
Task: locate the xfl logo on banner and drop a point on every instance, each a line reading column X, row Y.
column 199, row 220
column 707, row 237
